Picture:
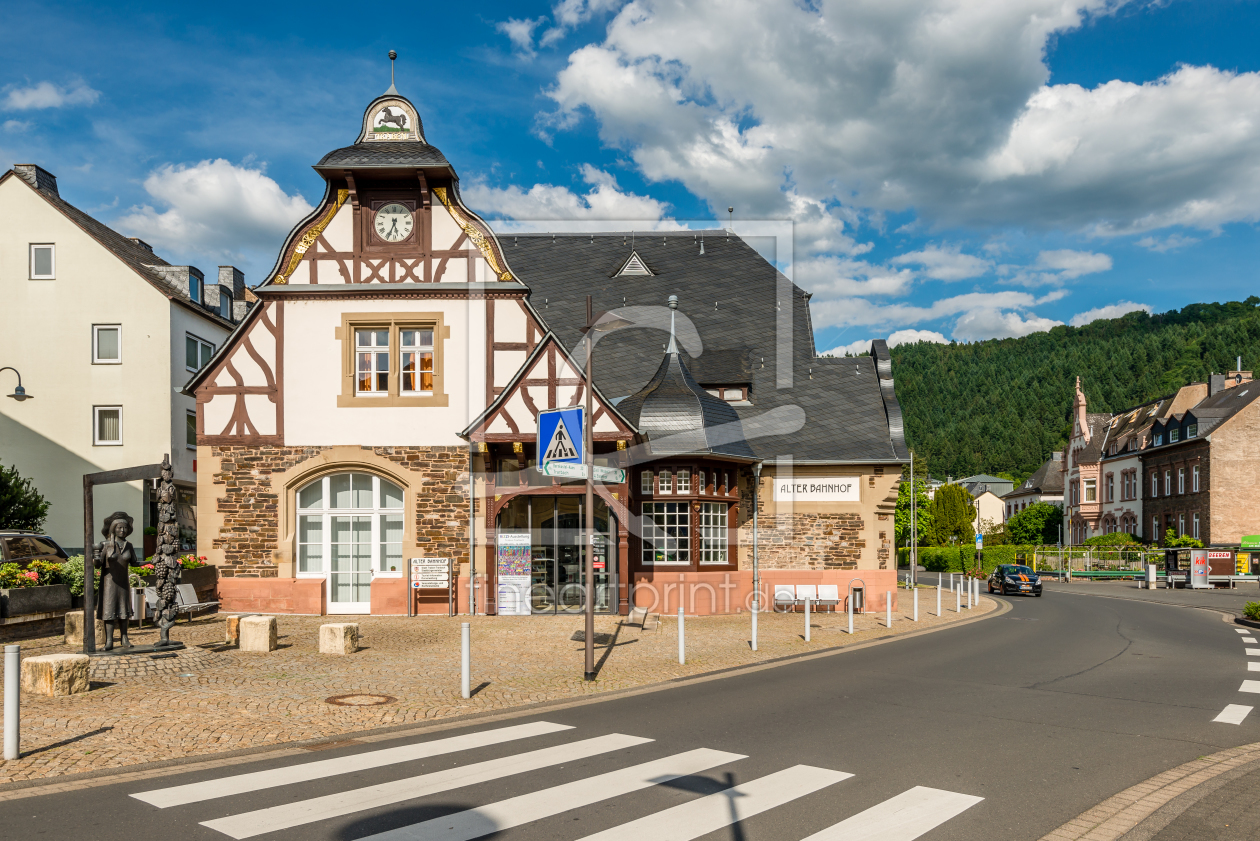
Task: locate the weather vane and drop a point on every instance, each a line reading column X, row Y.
column 392, row 56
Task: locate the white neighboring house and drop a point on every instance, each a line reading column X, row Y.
column 104, row 334
column 1046, row 485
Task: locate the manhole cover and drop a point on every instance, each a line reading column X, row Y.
column 360, row 700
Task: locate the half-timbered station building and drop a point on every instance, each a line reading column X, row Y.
column 380, row 403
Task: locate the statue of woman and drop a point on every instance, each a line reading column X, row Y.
column 115, row 557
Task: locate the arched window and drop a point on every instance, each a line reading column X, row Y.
column 350, row 524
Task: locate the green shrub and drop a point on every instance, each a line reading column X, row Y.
column 72, row 574
column 1252, row 610
column 1116, row 538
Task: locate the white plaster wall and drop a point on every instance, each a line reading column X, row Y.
column 445, row 231
column 183, row 322
column 509, row 322
column 340, row 231
column 313, row 371
column 47, row 336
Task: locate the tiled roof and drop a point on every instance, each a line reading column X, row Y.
column 136, row 256
column 386, row 154
column 819, row 409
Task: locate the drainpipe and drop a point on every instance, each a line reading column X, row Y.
column 472, row 535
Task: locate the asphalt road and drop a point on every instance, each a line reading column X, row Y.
column 1043, row 712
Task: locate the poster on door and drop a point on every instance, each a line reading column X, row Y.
column 513, row 569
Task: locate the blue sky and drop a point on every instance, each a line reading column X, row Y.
column 954, row 170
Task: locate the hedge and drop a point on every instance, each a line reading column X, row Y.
column 945, row 558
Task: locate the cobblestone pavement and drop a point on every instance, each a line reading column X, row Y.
column 222, row 699
column 1230, row 813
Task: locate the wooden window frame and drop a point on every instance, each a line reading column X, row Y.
column 394, row 322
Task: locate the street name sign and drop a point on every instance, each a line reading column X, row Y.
column 565, row 470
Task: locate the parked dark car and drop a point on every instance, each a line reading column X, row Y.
column 22, row 547
column 1015, row 578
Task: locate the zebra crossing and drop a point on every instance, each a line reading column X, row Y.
column 904, row 817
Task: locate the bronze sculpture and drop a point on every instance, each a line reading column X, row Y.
column 166, row 566
column 115, row 557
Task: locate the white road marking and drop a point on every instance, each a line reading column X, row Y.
column 288, row 815
column 1241, row 631
column 515, row 811
column 164, row 798
column 902, row 818
column 1253, row 652
column 1233, row 714
column 723, row 808
column 1251, row 640
column 1250, row 686
column 1253, row 666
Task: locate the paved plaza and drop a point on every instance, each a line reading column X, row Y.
column 214, row 698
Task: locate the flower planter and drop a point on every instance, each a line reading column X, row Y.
column 20, row 601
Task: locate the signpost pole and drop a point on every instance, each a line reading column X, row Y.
column 588, row 461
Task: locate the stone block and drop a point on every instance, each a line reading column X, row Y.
column 56, row 674
column 74, row 629
column 232, row 630
column 258, row 633
column 339, row 638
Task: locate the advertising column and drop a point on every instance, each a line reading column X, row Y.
column 1199, row 568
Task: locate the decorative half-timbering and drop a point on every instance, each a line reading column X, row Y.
column 240, row 400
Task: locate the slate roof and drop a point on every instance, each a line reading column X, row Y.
column 1046, row 481
column 136, row 256
column 1092, row 451
column 1135, row 422
column 982, row 482
column 679, row 417
column 820, row 409
column 1213, row 411
column 384, row 155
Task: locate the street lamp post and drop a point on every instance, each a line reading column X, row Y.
column 588, row 452
column 19, row 394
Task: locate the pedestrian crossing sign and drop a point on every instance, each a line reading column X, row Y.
column 560, row 436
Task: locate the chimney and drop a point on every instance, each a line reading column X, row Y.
column 1057, row 455
column 234, row 279
column 240, row 309
column 1220, row 382
column 37, row 177
column 142, row 244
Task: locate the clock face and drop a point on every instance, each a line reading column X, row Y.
column 393, row 222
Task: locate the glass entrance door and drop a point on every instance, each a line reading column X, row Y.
column 557, row 558
column 350, row 585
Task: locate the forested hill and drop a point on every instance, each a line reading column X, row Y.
column 1003, row 405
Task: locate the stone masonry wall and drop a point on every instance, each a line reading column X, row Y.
column 249, row 503
column 805, row 541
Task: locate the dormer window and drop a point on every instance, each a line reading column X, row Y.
column 729, row 393
column 1174, row 435
column 634, row 266
column 1192, row 430
column 1159, row 438
column 225, row 304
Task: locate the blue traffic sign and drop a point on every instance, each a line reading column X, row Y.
column 560, row 436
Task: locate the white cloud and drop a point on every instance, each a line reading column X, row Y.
column 1172, row 242
column 940, row 106
column 48, row 95
column 989, row 323
column 1072, row 264
column 15, row 126
column 214, row 208
column 548, row 207
column 1111, row 311
column 839, row 277
column 520, row 32
column 897, row 337
column 945, row 263
column 569, row 14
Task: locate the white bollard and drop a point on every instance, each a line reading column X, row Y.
column 12, row 686
column 850, row 600
column 682, row 645
column 958, row 601
column 465, row 690
column 807, row 619
column 916, row 605
column 938, row 599
column 888, row 610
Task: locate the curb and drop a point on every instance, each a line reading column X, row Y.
column 1139, row 812
column 127, row 773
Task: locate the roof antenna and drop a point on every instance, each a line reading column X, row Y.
column 673, row 307
column 702, row 244
column 392, row 55
column 731, row 213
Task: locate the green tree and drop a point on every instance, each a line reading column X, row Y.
column 953, row 512
column 1038, row 524
column 1172, row 541
column 21, row 506
column 1116, row 538
column 901, row 519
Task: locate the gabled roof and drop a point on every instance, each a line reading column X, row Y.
column 1046, row 481
column 135, row 256
column 1092, row 451
column 1213, row 411
column 754, row 322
